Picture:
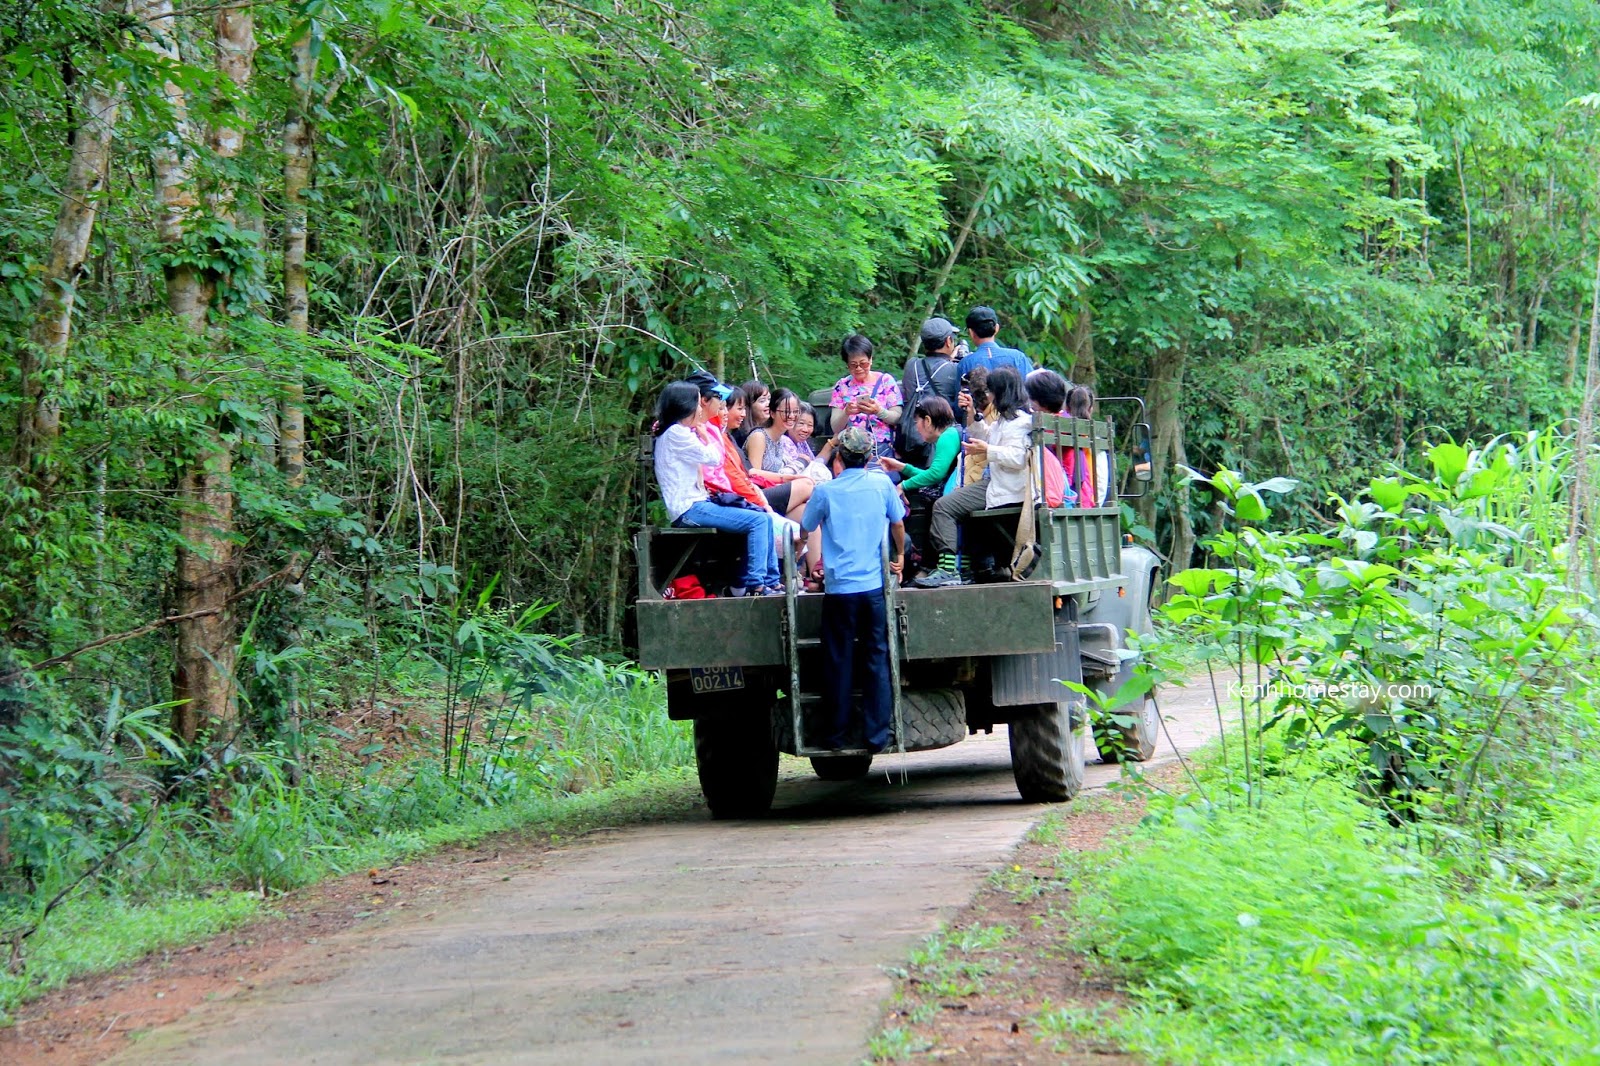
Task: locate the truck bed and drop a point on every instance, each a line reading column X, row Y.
column 1008, row 618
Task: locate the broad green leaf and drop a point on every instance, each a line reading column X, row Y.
column 1250, row 507
column 1390, row 493
column 1449, row 462
column 1198, row 582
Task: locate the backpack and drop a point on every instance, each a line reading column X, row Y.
column 1025, row 555
column 902, row 431
column 1080, row 472
column 1055, row 480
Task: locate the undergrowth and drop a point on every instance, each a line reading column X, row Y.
column 1394, row 858
column 147, row 851
column 1309, row 930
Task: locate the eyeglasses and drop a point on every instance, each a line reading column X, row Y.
column 865, row 360
column 789, row 412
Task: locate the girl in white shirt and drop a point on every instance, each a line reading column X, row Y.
column 679, row 456
column 1006, row 452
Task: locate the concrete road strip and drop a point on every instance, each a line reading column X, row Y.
column 697, row 942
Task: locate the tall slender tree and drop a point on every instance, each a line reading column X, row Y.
column 204, row 654
column 298, row 137
column 39, row 418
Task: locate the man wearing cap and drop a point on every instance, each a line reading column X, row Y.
column 854, row 510
column 932, row 373
column 982, row 325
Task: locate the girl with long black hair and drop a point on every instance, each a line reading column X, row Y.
column 679, row 456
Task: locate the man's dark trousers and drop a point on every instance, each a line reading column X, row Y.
column 855, row 648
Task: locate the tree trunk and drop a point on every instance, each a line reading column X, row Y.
column 962, row 233
column 1570, row 378
column 298, row 134
column 1084, row 370
column 172, row 162
column 204, row 655
column 1182, row 551
column 39, row 420
column 1165, row 396
column 1466, row 206
column 1581, row 548
column 298, row 137
column 204, row 658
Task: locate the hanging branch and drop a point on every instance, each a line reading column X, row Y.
column 171, row 619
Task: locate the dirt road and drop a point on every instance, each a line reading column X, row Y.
column 685, row 943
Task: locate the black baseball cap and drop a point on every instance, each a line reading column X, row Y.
column 705, row 382
column 980, row 316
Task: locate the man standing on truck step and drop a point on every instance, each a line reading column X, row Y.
column 854, row 510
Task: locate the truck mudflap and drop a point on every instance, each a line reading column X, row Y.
column 1027, row 680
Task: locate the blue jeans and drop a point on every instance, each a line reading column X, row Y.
column 760, row 551
column 855, row 645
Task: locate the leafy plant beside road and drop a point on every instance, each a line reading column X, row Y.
column 1393, row 857
column 1391, row 853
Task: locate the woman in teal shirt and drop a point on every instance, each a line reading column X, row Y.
column 935, row 421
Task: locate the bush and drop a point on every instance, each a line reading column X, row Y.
column 1379, row 876
column 1305, row 930
column 132, row 827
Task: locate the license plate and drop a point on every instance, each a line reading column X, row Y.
column 716, row 679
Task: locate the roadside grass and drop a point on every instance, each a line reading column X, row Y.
column 593, row 755
column 96, row 932
column 969, row 989
column 950, row 965
column 1307, row 929
column 1311, row 930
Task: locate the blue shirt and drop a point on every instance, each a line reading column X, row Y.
column 854, row 510
column 991, row 356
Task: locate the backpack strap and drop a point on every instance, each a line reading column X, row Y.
column 923, row 385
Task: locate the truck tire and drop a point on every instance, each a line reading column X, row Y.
column 933, row 717
column 738, row 764
column 841, row 767
column 1047, row 753
column 1139, row 739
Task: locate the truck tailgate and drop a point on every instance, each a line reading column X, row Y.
column 1008, row 618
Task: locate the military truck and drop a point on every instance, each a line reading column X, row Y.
column 747, row 671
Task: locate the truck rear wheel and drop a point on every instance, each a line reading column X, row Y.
column 841, row 767
column 1139, row 739
column 1047, row 753
column 738, row 764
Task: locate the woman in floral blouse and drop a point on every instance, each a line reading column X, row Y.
column 866, row 399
